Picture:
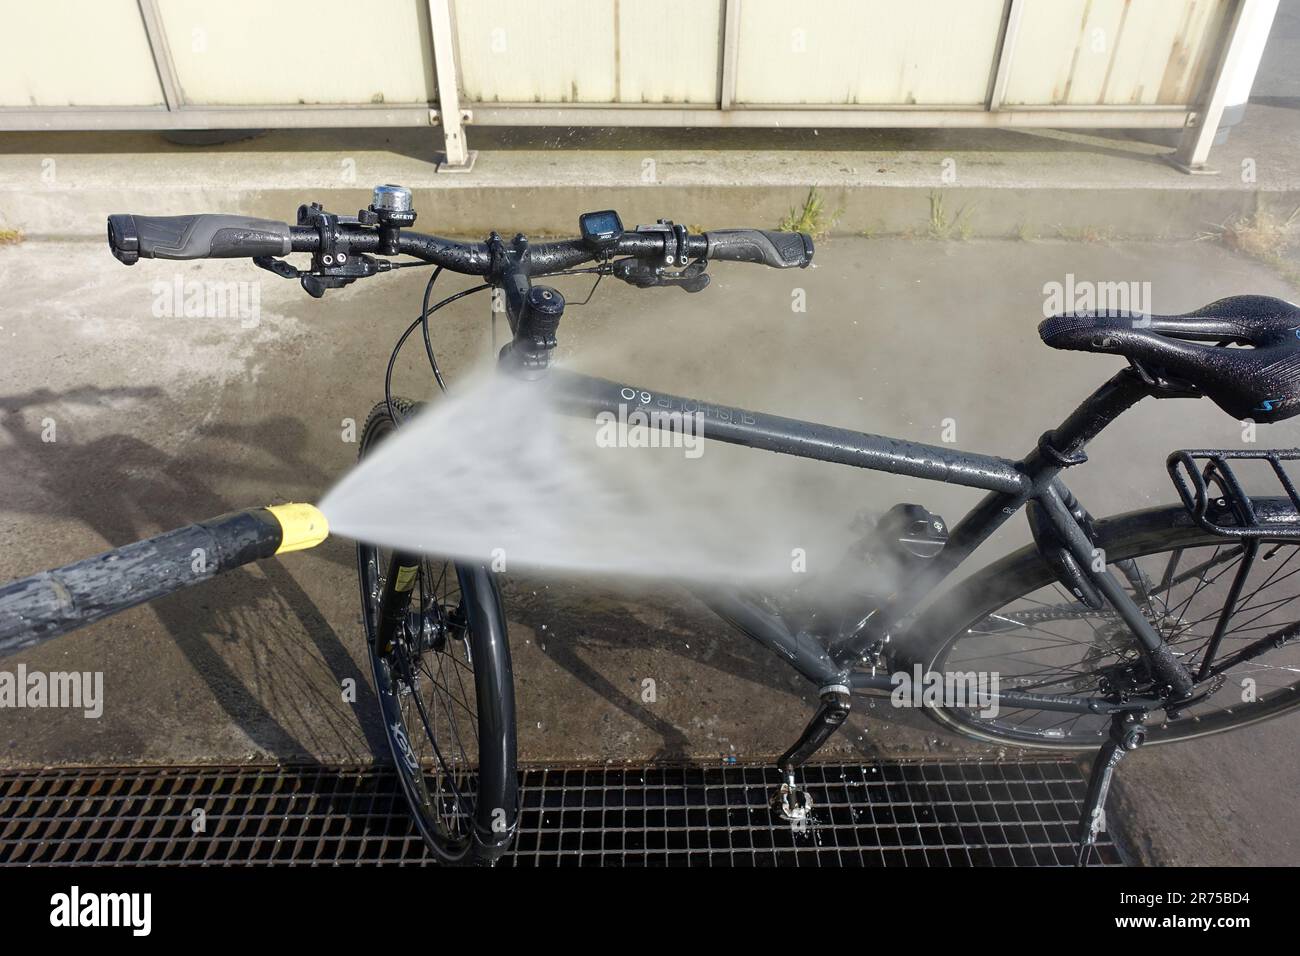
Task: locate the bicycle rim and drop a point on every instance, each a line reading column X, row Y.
column 1017, row 622
column 446, row 694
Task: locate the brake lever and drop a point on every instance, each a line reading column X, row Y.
column 317, row 281
column 278, row 266
column 635, row 272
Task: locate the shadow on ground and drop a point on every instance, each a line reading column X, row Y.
column 141, row 491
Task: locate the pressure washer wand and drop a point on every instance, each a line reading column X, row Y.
column 45, row 605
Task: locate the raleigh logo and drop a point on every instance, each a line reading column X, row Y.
column 974, row 690
column 103, row 909
column 651, row 428
column 79, row 690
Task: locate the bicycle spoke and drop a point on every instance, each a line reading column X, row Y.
column 1046, row 641
column 437, row 710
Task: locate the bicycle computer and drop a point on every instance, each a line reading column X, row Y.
column 600, row 230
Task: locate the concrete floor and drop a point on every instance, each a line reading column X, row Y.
column 160, row 421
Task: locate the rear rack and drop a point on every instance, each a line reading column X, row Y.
column 1194, row 472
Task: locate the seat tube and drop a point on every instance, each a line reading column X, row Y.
column 1166, row 666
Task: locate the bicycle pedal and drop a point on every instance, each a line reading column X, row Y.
column 792, row 803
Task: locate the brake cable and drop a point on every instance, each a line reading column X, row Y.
column 424, row 328
column 599, row 272
column 392, row 359
column 426, row 311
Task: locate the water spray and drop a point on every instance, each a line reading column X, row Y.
column 45, row 605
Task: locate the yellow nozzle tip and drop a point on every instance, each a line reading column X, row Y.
column 302, row 526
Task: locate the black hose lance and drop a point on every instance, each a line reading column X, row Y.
column 45, row 605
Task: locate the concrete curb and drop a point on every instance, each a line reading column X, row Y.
column 1048, row 184
column 971, row 212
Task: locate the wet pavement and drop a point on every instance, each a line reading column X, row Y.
column 156, row 421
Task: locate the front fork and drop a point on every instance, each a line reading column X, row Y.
column 395, row 598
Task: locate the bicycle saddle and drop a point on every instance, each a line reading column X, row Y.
column 1260, row 381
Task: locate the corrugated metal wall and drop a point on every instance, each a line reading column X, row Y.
column 59, row 53
column 310, row 52
column 1113, row 52
column 867, row 52
column 829, row 53
column 589, row 51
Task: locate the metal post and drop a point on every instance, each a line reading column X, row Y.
column 1241, row 53
column 162, row 55
column 1007, row 46
column 730, row 48
column 457, row 156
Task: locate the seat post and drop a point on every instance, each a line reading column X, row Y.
column 1063, row 446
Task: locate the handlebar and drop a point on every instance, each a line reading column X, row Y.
column 205, row 236
column 346, row 248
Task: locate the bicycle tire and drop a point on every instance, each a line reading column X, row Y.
column 462, row 835
column 1134, row 535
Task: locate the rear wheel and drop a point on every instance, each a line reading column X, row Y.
column 1015, row 620
column 436, row 634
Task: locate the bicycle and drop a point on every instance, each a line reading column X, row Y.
column 1096, row 624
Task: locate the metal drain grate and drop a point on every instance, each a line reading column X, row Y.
column 898, row 813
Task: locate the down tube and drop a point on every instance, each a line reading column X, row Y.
column 969, row 533
column 584, row 395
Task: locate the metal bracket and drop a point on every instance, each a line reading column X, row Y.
column 446, row 166
column 456, row 157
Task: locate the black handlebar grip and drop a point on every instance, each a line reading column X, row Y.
column 780, row 250
column 196, row 237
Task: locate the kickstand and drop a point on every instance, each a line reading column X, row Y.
column 1127, row 733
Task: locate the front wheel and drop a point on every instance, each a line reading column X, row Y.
column 1015, row 621
column 436, row 634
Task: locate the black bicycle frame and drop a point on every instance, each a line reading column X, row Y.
column 1010, row 486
